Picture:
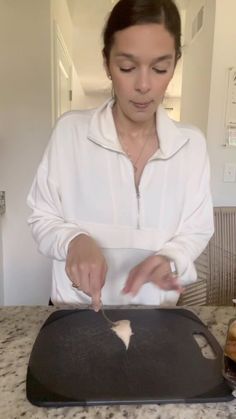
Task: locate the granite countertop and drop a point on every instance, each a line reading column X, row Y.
column 19, row 327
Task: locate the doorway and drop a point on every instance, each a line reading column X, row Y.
column 62, row 75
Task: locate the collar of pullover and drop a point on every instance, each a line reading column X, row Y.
column 103, row 132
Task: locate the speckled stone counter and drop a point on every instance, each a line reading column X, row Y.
column 19, row 327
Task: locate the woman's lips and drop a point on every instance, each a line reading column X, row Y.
column 141, row 105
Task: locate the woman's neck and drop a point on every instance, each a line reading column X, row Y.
column 132, row 129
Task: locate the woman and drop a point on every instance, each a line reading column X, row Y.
column 121, row 199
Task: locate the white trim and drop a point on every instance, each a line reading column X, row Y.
column 63, row 69
column 57, row 36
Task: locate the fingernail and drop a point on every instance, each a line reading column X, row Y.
column 96, row 309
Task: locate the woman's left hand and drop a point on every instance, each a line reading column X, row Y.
column 155, row 269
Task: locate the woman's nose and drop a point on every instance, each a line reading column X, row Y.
column 143, row 82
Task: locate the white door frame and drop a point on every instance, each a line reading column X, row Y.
column 57, row 36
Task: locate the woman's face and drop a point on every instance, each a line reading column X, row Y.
column 141, row 64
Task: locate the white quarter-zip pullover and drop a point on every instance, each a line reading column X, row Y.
column 85, row 184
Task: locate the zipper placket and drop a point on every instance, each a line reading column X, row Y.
column 138, row 206
column 137, row 192
column 137, row 189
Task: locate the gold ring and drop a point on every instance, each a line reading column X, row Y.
column 75, row 286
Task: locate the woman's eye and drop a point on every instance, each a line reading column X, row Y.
column 126, row 70
column 157, row 70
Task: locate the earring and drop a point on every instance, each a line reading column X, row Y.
column 109, row 76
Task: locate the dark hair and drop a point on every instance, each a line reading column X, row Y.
column 128, row 13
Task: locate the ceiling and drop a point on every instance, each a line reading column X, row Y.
column 89, row 17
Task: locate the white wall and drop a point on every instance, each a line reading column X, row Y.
column 25, row 112
column 224, row 56
column 206, row 62
column 197, row 65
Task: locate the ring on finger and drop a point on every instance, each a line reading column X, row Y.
column 173, row 268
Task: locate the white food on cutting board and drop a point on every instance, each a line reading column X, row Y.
column 123, row 330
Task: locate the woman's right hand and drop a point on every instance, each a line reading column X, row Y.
column 86, row 267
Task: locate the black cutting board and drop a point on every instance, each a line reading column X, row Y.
column 78, row 360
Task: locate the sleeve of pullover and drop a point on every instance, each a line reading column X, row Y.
column 50, row 230
column 197, row 225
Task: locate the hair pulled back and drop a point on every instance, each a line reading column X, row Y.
column 128, row 13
